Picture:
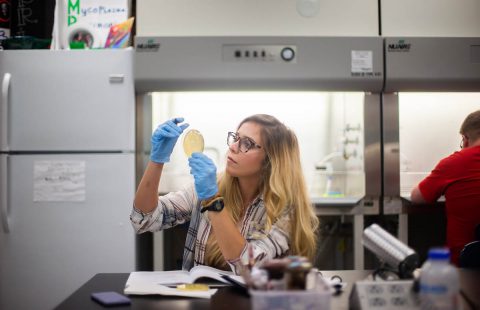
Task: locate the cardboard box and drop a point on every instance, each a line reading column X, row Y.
column 91, row 18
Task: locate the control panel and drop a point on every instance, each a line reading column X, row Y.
column 384, row 295
column 260, row 53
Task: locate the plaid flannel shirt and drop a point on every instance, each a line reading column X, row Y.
column 182, row 206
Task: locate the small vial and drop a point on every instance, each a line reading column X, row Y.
column 296, row 275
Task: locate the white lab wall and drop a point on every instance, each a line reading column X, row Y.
column 429, row 131
column 448, row 18
column 259, row 18
column 317, row 118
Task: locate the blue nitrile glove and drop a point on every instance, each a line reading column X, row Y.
column 205, row 174
column 164, row 139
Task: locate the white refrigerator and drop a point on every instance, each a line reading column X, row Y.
column 67, row 172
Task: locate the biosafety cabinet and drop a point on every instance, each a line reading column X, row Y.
column 431, row 85
column 355, row 103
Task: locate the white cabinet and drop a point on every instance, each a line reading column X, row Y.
column 258, row 18
column 431, row 18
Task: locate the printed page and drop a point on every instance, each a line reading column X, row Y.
column 146, row 283
column 198, row 272
column 161, row 277
column 173, row 277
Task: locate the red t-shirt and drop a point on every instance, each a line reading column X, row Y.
column 457, row 177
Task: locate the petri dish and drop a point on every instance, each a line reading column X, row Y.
column 193, row 142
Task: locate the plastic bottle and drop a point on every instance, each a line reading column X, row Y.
column 439, row 281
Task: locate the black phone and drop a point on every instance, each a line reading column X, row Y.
column 110, row 299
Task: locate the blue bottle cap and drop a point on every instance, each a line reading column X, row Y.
column 439, row 254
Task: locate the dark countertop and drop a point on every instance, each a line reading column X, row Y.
column 230, row 297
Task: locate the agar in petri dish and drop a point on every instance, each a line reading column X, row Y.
column 193, row 142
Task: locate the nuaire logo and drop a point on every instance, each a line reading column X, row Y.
column 401, row 46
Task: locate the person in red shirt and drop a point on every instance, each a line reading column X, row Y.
column 457, row 177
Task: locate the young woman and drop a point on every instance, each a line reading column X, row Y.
column 260, row 200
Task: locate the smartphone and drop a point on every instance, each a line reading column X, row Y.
column 110, row 299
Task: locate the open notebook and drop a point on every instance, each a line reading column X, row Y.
column 165, row 282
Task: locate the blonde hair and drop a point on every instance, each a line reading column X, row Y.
column 283, row 188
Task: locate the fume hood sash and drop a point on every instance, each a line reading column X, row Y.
column 432, row 64
column 259, row 63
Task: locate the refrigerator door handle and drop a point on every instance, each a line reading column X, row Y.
column 4, row 193
column 116, row 78
column 4, row 111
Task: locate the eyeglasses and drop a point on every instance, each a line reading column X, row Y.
column 245, row 143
